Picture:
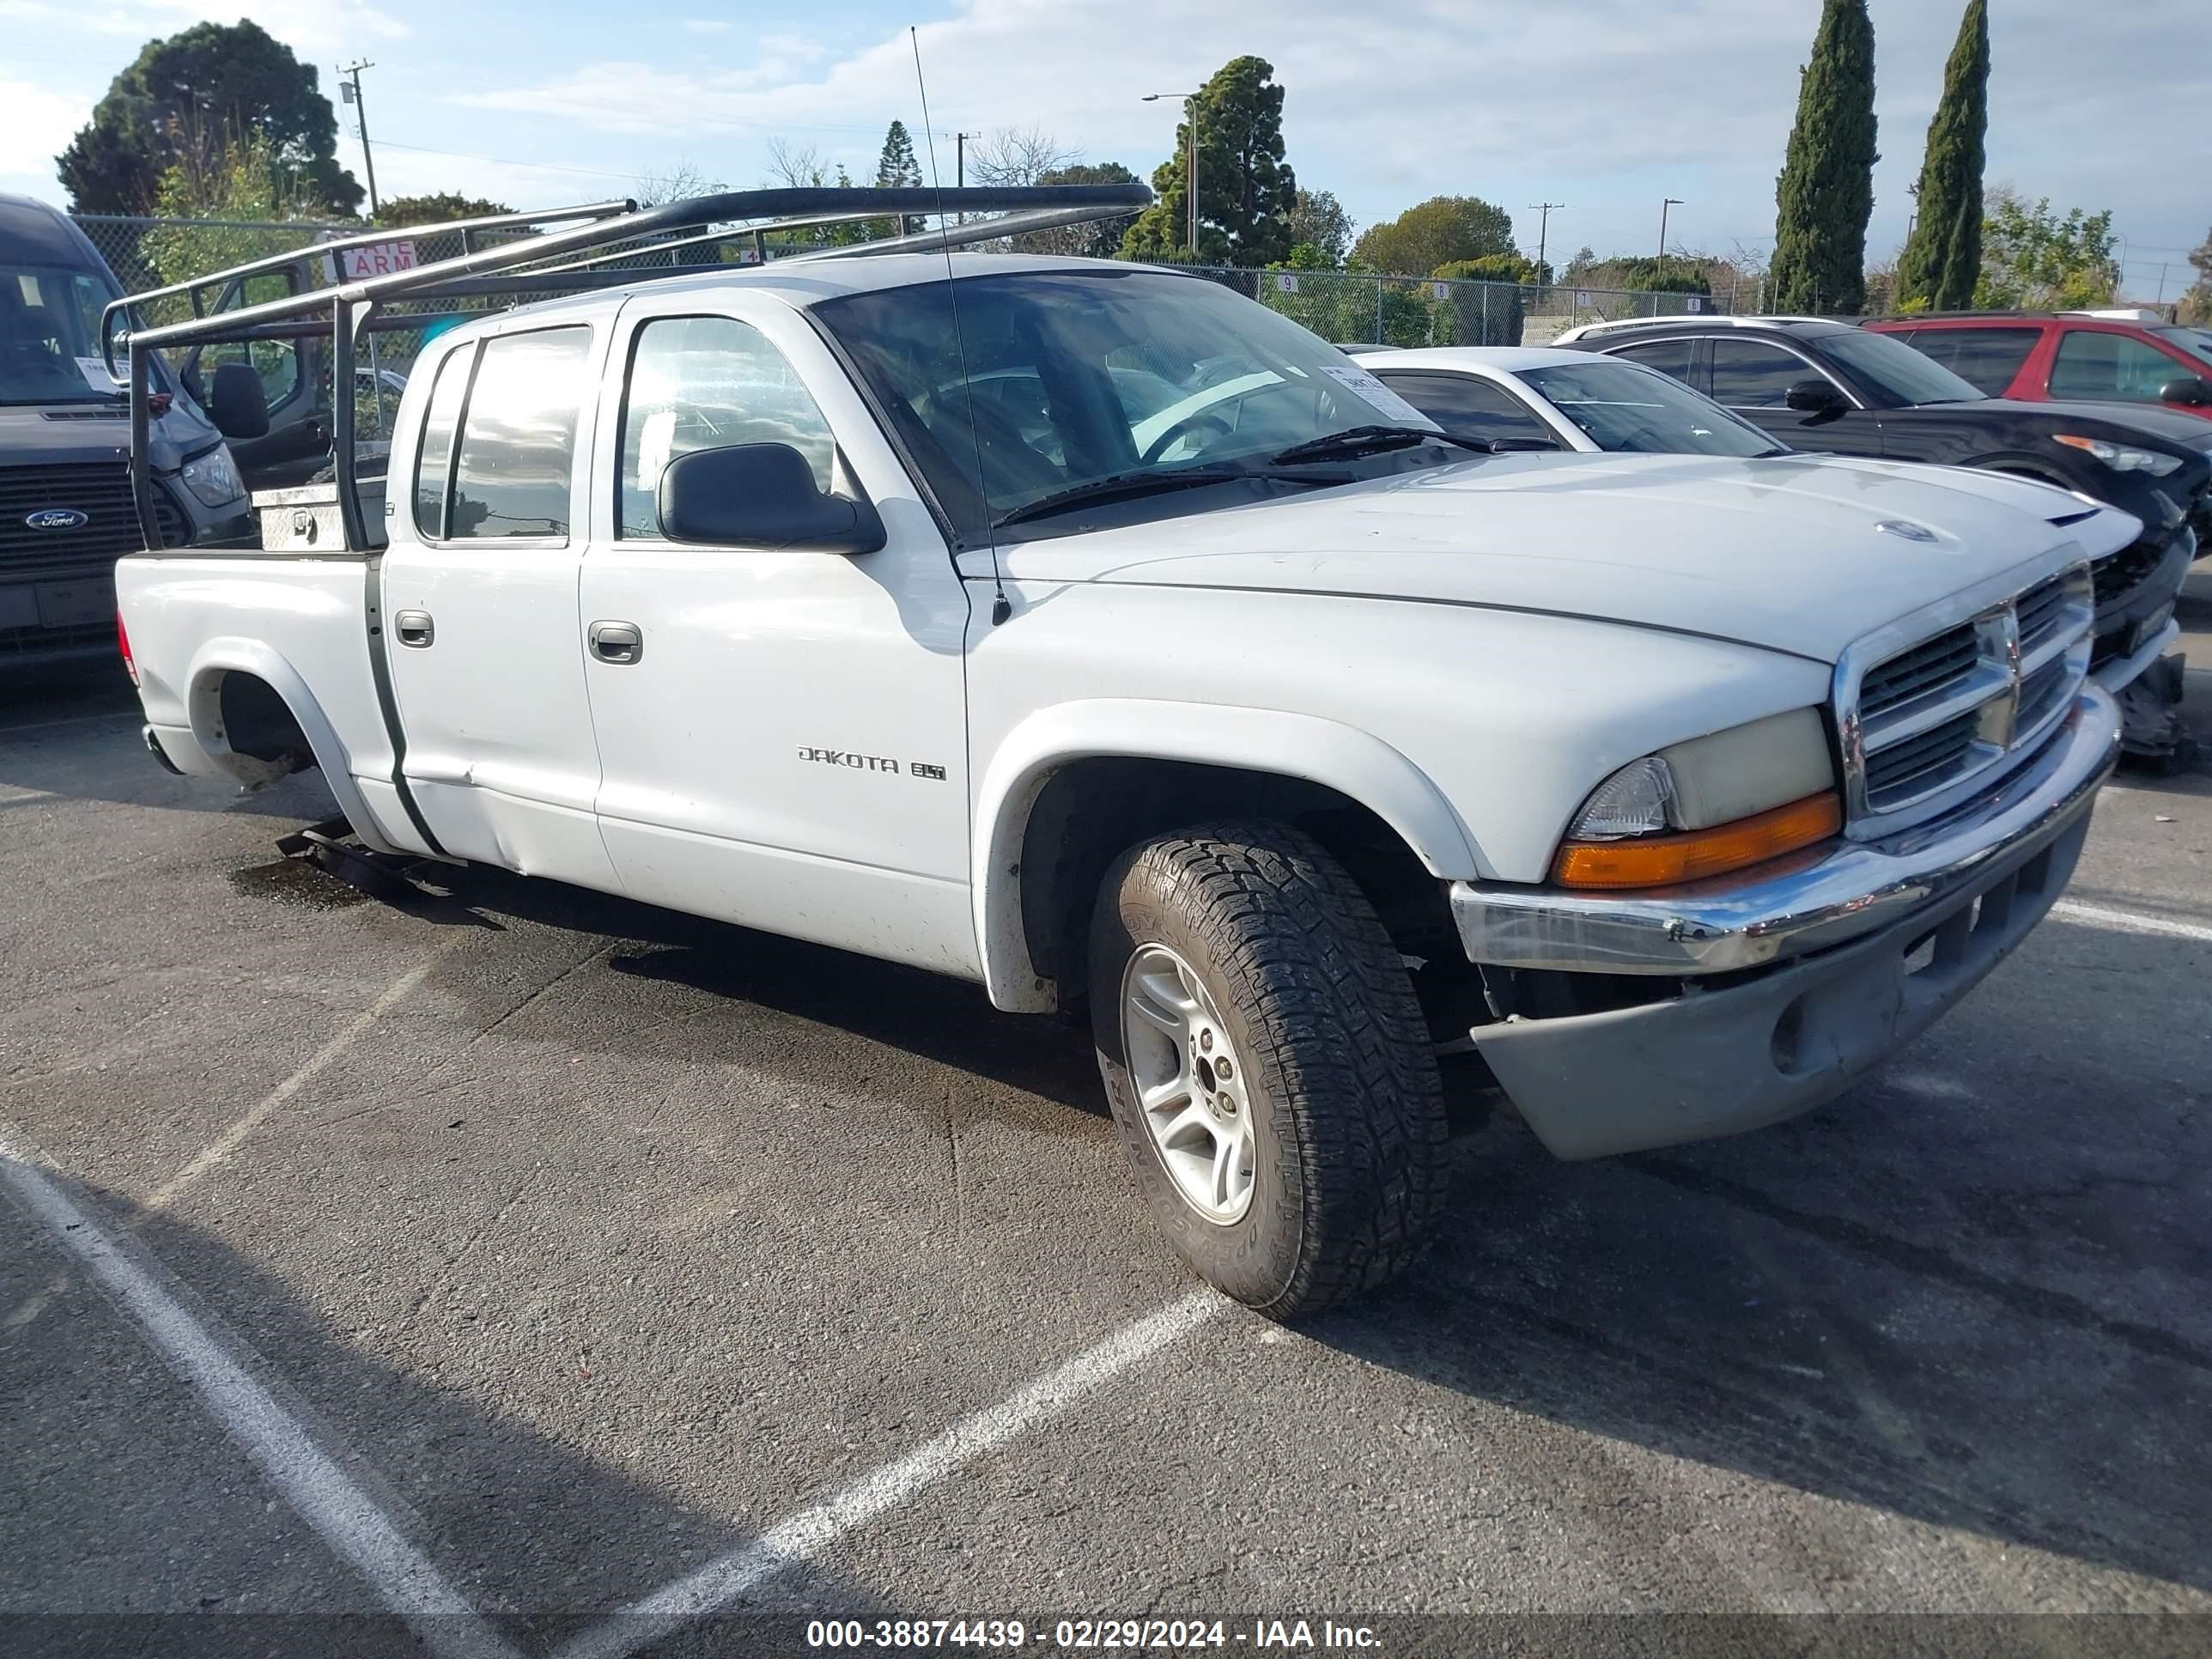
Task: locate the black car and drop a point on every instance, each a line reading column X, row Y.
column 1824, row 385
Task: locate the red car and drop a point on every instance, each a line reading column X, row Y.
column 2068, row 356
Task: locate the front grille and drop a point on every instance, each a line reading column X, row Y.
column 1923, row 726
column 101, row 492
column 1926, row 762
column 1927, row 668
column 2119, row 575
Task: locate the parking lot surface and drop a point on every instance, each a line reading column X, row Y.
column 566, row 1276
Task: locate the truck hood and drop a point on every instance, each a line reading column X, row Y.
column 76, row 434
column 1787, row 553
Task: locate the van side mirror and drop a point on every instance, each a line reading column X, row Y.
column 1814, row 398
column 238, row 406
column 2193, row 390
column 760, row 495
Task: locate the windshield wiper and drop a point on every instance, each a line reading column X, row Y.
column 1118, row 486
column 1369, row 440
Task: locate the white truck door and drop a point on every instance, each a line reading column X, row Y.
column 479, row 601
column 782, row 734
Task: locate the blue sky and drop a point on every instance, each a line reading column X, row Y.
column 1605, row 105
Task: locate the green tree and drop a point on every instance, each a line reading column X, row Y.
column 2034, row 259
column 1437, row 232
column 1825, row 191
column 188, row 99
column 2196, row 304
column 897, row 168
column 1943, row 257
column 1319, row 221
column 1246, row 189
column 1099, row 240
column 402, row 210
column 242, row 184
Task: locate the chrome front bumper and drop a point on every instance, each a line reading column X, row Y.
column 1825, row 897
column 1832, row 966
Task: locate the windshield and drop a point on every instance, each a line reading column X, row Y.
column 1078, row 377
column 1905, row 376
column 2193, row 342
column 50, row 337
column 1623, row 407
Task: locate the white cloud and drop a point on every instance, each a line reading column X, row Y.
column 35, row 123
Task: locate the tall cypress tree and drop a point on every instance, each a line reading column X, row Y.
column 1825, row 193
column 1943, row 257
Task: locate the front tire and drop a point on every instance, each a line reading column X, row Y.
column 1267, row 1065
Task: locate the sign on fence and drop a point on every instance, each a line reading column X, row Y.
column 1697, row 303
column 1442, row 290
column 377, row 259
column 1286, row 282
column 1581, row 299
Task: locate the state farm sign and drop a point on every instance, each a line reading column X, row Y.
column 377, row 259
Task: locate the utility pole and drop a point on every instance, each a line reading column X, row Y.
column 1670, row 201
column 960, row 157
column 349, row 92
column 1544, row 226
column 1190, row 178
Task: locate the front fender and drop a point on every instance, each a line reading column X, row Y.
column 229, row 654
column 1325, row 751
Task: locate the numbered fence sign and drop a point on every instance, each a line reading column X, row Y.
column 1581, row 299
column 1696, row 303
column 1442, row 290
column 1286, row 282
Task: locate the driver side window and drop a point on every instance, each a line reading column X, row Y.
column 707, row 383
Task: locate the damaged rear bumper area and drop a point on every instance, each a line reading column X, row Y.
column 1785, row 987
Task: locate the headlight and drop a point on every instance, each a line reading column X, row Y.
column 213, row 478
column 2123, row 458
column 1707, row 807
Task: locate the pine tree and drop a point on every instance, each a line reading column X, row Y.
column 1943, row 257
column 1825, row 191
column 897, row 169
column 1246, row 191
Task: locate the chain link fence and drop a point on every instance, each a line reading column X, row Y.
column 1359, row 308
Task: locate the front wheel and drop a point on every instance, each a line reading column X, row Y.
column 1267, row 1064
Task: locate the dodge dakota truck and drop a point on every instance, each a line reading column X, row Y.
column 1088, row 632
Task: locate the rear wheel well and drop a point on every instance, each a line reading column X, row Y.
column 1090, row 811
column 255, row 737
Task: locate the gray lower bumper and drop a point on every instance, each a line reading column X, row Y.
column 1715, row 1061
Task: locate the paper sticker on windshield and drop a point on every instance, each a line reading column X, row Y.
column 96, row 375
column 1359, row 381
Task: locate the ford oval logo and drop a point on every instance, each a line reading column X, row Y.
column 57, row 518
column 1906, row 528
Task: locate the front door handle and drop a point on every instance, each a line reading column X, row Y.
column 618, row 642
column 414, row 627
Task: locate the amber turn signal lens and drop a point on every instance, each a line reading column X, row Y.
column 1663, row 860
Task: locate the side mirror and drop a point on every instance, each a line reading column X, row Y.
column 239, row 407
column 760, row 495
column 2194, row 389
column 1814, row 398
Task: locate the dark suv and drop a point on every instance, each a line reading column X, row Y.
column 1825, row 386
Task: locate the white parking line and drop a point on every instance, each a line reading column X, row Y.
column 339, row 1512
column 2128, row 921
column 227, row 1142
column 807, row 1533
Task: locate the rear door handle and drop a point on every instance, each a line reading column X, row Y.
column 414, row 627
column 618, row 642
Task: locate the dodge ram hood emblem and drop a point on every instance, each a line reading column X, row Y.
column 56, row 517
column 1906, row 528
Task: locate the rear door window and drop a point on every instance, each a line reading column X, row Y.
column 433, row 456
column 1988, row 358
column 1752, row 375
column 518, row 439
column 2103, row 368
column 1466, row 405
column 1668, row 356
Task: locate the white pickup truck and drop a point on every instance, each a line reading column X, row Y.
column 1097, row 635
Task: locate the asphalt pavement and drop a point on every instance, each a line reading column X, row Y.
column 569, row 1275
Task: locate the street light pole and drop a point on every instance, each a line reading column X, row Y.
column 1190, row 174
column 1670, row 201
column 352, row 89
